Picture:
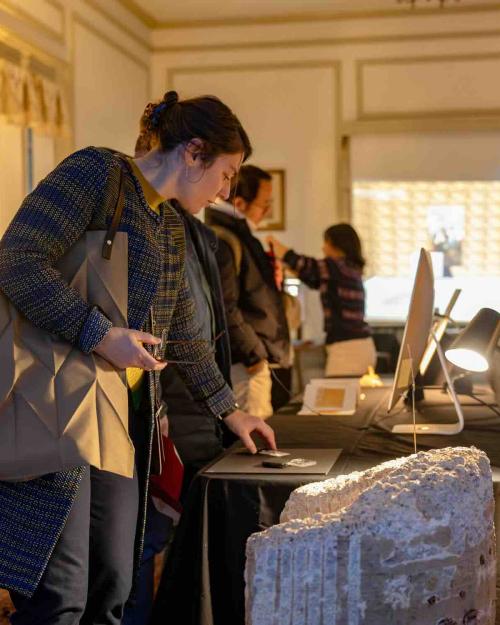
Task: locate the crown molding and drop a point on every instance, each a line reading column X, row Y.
column 42, row 27
column 27, row 49
column 329, row 41
column 404, row 11
column 143, row 16
column 120, row 25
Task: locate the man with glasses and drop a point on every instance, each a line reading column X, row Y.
column 257, row 324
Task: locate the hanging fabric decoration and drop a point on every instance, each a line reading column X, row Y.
column 29, row 99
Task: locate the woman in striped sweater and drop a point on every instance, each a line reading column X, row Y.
column 349, row 344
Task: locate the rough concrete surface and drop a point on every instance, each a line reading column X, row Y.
column 410, row 541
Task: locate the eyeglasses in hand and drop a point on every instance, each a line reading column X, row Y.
column 161, row 351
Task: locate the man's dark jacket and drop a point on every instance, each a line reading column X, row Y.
column 195, row 433
column 255, row 314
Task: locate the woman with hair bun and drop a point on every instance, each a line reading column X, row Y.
column 350, row 349
column 83, row 571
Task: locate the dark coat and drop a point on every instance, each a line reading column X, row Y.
column 206, row 245
column 196, row 434
column 256, row 317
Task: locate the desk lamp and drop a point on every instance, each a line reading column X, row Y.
column 473, row 348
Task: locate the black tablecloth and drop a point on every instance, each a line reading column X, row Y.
column 202, row 583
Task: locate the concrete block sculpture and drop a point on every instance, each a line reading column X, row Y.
column 409, row 541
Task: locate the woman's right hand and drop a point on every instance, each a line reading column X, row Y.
column 124, row 348
column 278, row 248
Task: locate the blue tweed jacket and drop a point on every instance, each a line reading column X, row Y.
column 72, row 199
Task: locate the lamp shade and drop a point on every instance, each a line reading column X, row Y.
column 474, row 346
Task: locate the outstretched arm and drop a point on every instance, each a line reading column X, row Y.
column 307, row 268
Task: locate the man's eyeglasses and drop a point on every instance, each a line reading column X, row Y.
column 161, row 351
column 265, row 208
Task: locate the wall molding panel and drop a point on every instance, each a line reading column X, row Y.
column 425, row 87
column 334, row 66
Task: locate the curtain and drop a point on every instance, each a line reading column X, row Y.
column 29, row 99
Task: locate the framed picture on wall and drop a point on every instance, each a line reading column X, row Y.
column 275, row 219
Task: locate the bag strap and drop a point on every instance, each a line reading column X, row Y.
column 107, row 246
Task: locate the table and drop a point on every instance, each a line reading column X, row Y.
column 203, row 584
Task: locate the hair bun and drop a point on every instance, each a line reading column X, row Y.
column 170, row 98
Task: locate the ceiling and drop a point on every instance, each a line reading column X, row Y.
column 169, row 13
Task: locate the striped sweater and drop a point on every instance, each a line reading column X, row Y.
column 70, row 200
column 342, row 294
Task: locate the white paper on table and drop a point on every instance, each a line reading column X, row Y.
column 335, row 396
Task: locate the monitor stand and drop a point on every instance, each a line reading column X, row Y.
column 445, row 429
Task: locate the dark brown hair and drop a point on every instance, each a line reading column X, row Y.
column 147, row 137
column 172, row 122
column 248, row 182
column 345, row 238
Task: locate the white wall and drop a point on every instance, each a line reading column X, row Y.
column 291, row 133
column 111, row 73
column 299, row 86
column 387, row 73
column 11, row 172
column 452, row 155
column 110, row 95
column 44, row 157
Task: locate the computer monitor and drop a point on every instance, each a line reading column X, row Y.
column 417, row 329
column 415, row 344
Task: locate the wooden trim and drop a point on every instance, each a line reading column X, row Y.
column 430, row 124
column 338, row 116
column 406, row 60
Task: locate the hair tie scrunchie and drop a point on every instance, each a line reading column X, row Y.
column 170, row 99
column 156, row 113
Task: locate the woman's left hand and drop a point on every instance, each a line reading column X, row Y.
column 242, row 424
